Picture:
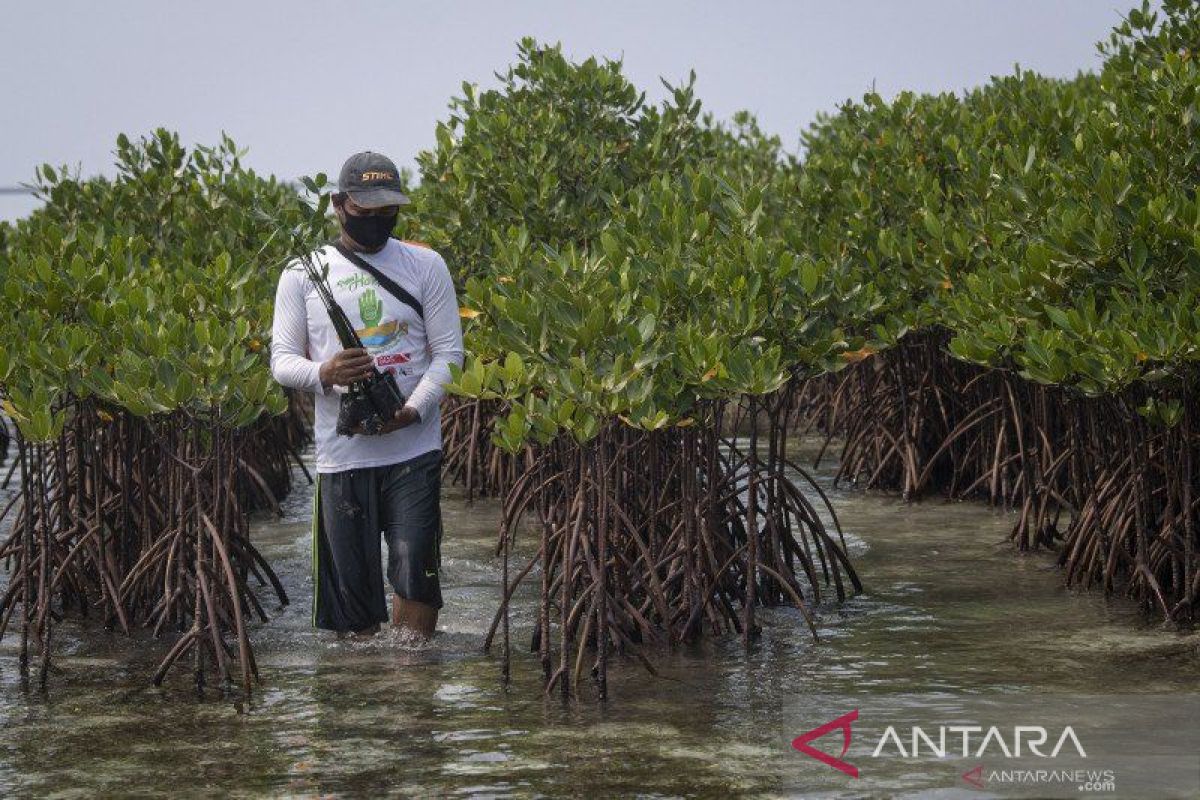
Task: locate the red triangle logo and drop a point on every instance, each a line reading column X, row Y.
column 842, row 723
column 974, row 776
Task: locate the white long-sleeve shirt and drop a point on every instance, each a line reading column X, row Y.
column 418, row 352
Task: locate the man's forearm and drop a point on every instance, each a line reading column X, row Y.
column 290, row 365
column 443, row 333
column 432, row 386
column 298, row 372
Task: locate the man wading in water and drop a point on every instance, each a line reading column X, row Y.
column 372, row 484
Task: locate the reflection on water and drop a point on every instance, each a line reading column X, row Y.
column 948, row 608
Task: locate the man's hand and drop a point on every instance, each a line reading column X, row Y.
column 347, row 367
column 404, row 417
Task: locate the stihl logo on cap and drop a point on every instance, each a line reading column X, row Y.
column 378, row 176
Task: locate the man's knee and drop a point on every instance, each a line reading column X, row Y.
column 413, row 531
column 413, row 570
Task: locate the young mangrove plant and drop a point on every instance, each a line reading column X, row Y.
column 616, row 373
column 1035, row 243
column 147, row 422
column 545, row 155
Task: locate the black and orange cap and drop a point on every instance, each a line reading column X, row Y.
column 372, row 180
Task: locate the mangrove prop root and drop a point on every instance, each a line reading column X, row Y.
column 140, row 522
column 1118, row 497
column 658, row 536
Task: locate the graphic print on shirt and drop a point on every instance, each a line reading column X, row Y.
column 377, row 335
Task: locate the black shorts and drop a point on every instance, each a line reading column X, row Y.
column 351, row 510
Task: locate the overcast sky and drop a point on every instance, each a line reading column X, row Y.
column 303, row 84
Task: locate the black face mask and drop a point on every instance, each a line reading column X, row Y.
column 371, row 231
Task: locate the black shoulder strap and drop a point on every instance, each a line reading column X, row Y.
column 394, row 289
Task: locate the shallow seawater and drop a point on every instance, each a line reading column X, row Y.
column 948, row 610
